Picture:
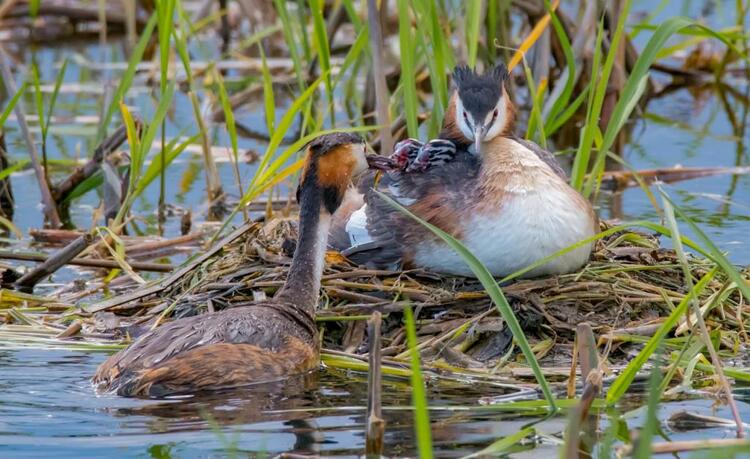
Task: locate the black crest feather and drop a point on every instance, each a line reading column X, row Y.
column 325, row 143
column 480, row 93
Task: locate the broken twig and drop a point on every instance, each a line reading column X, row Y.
column 54, row 262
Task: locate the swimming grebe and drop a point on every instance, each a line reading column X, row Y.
column 505, row 198
column 256, row 342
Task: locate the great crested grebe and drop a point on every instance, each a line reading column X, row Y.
column 256, row 342
column 505, row 198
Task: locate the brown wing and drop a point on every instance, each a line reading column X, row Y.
column 264, row 326
column 221, row 365
column 437, row 195
column 544, row 155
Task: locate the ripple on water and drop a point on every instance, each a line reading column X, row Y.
column 49, row 409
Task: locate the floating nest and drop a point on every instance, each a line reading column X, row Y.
column 628, row 287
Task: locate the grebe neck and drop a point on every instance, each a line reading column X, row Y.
column 302, row 286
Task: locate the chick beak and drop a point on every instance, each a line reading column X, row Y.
column 381, row 163
column 478, row 137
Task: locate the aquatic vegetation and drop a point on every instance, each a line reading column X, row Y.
column 171, row 111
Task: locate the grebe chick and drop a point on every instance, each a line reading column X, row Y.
column 505, row 198
column 257, row 342
column 479, row 108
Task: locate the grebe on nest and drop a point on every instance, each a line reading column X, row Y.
column 505, row 198
column 257, row 342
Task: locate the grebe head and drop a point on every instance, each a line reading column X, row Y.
column 332, row 161
column 483, row 110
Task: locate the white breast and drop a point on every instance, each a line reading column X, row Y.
column 540, row 215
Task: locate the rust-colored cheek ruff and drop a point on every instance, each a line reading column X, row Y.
column 335, row 168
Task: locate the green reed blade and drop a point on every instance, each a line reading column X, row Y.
column 623, row 381
column 38, row 98
column 34, row 7
column 473, row 20
column 358, row 48
column 291, row 41
column 408, row 68
column 714, row 252
column 11, row 105
column 419, row 398
column 600, row 90
column 583, row 155
column 323, row 51
column 269, row 101
column 53, row 98
column 170, row 153
column 231, row 127
column 493, row 290
column 650, row 427
column 635, row 85
column 560, row 101
column 165, row 15
column 127, row 78
column 283, row 127
column 504, row 444
column 15, row 167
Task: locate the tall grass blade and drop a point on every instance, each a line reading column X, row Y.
column 12, row 104
column 419, row 398
column 669, row 211
column 408, row 68
column 714, row 252
column 358, row 48
column 635, row 86
column 493, row 290
column 34, row 7
column 38, row 99
column 600, row 91
column 504, row 444
column 291, row 40
column 586, row 141
column 559, row 100
column 140, row 147
column 53, row 98
column 15, row 167
column 324, row 52
column 231, row 130
column 283, row 127
column 269, row 101
column 170, row 152
column 165, row 14
column 643, row 448
column 473, row 22
column 437, row 46
column 127, row 78
column 623, row 381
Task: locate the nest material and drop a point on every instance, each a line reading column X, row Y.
column 628, row 286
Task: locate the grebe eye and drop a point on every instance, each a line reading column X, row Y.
column 466, row 117
column 494, row 114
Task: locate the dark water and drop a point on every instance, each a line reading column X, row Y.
column 48, row 408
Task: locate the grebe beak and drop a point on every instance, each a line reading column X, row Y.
column 381, row 163
column 479, row 132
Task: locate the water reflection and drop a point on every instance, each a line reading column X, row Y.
column 49, row 407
